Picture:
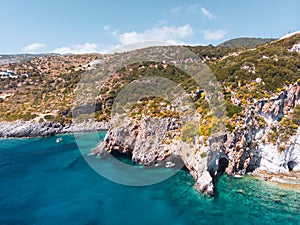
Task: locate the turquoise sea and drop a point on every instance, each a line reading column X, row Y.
column 49, row 183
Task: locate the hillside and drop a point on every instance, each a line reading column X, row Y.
column 17, row 58
column 44, row 87
column 49, row 90
column 275, row 64
column 246, row 42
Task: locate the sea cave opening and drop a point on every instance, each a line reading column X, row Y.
column 291, row 165
column 223, row 164
column 217, row 168
column 123, row 157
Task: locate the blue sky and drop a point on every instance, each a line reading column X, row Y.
column 74, row 26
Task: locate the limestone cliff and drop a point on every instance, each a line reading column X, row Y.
column 155, row 142
column 251, row 147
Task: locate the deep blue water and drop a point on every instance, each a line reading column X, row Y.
column 44, row 182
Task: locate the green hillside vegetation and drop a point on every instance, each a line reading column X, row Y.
column 39, row 95
column 273, row 63
column 141, row 70
column 212, row 52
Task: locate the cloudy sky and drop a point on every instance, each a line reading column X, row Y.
column 85, row 26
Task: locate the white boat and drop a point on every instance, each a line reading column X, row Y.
column 170, row 164
column 238, row 176
column 58, row 140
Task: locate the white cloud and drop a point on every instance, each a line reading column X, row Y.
column 33, row 48
column 206, row 13
column 214, row 35
column 156, row 36
column 160, row 34
column 78, row 49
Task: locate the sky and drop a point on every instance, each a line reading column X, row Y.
column 86, row 26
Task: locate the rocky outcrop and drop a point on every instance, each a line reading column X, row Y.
column 143, row 140
column 35, row 129
column 156, row 142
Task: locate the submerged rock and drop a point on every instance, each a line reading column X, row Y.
column 242, row 192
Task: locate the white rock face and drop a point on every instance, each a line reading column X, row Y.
column 278, row 162
column 204, row 183
column 296, row 48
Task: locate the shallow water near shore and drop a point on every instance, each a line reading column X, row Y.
column 44, row 182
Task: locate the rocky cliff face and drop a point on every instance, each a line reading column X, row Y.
column 153, row 141
column 143, row 140
column 156, row 142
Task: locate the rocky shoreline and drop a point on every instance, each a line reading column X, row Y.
column 20, row 129
column 287, row 180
